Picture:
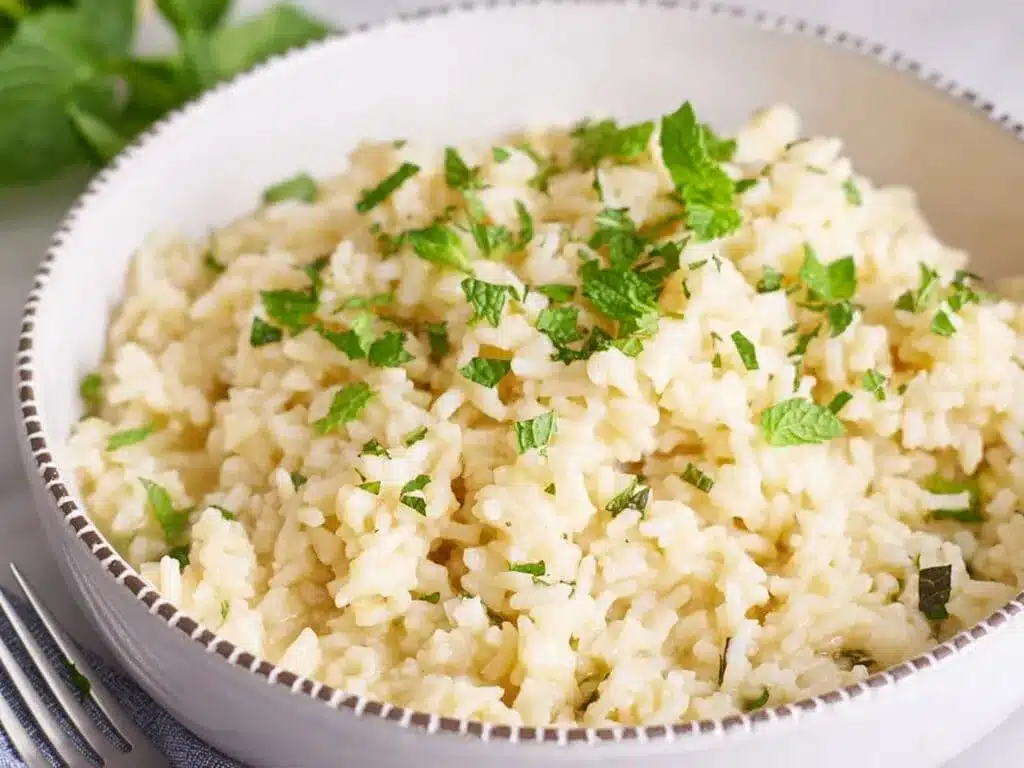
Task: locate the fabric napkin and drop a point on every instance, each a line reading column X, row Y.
column 182, row 748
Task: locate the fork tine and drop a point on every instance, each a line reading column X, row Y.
column 142, row 752
column 46, row 721
column 68, row 701
column 20, row 738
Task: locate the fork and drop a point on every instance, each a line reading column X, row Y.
column 141, row 753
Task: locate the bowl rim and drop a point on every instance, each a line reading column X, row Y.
column 34, row 437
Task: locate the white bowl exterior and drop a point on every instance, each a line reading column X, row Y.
column 477, row 74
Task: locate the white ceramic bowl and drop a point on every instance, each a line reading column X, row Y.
column 475, row 72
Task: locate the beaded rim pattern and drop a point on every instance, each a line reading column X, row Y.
column 124, row 574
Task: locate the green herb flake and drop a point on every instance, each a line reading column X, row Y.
column 803, row 341
column 914, row 301
column 617, row 232
column 621, row 295
column 751, row 705
column 557, row 292
column 130, row 436
column 227, row 514
column 940, row 486
column 536, row 432
column 290, row 309
column 441, row 245
column 848, row 658
column 371, row 198
column 366, row 302
column 934, row 587
column 536, row 569
column 500, row 154
column 595, row 141
column 840, row 316
column 835, row 282
column 486, row 371
column 90, row 389
column 346, row 405
column 799, row 422
column 414, row 436
column 852, row 192
column 437, row 336
column 942, row 325
column 874, row 382
column 525, row 224
column 746, row 350
column 432, row 597
column 171, row 520
column 79, row 681
column 837, row 403
column 181, row 555
column 697, row 478
column 457, row 174
column 211, row 263
column 417, row 503
column 298, row 480
column 690, row 153
column 262, row 333
column 372, row 447
column 560, row 324
column 742, row 185
column 389, row 351
column 487, row 299
column 371, row 487
column 301, row 187
column 662, row 261
column 633, row 496
column 356, row 341
column 225, row 609
column 549, row 489
column 770, row 281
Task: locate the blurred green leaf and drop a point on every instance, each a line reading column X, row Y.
column 243, row 45
column 102, row 141
column 111, row 23
column 194, row 15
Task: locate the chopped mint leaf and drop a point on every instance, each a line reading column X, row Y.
column 560, row 324
column 488, row 300
column 771, row 281
column 440, row 245
column 211, row 263
column 130, row 436
column 433, row 597
column 159, row 501
column 181, row 554
column 263, row 333
column 366, row 302
column 356, row 341
column 314, row 271
column 493, row 240
column 298, row 480
column 662, row 261
column 389, row 351
column 751, row 705
column 928, row 281
column 697, row 479
column 940, row 486
column 633, row 496
column 373, row 197
column 630, row 347
column 437, row 335
column 746, row 350
column 545, row 168
column 417, row 503
column 716, row 361
column 960, row 292
column 620, row 295
column 874, row 382
column 595, row 141
column 597, row 186
column 558, row 292
column 227, row 514
column 346, row 405
column 486, row 371
column 418, row 483
column 301, row 187
column 721, row 150
column 852, row 192
column 839, row 401
column 934, row 587
column 705, row 188
column 617, row 232
column 500, row 154
column 533, row 569
column 536, row 432
column 803, row 340
column 225, row 609
column 814, row 275
column 371, row 487
column 799, row 422
column 842, row 278
column 372, row 447
column 742, row 185
column 525, row 224
column 942, row 325
column 414, row 436
column 457, row 174
column 291, row 309
column 90, row 389
column 549, row 489
column 415, row 485
column 840, row 315
column 78, row 680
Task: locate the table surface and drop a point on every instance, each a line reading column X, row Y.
column 977, row 43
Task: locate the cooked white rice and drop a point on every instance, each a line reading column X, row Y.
column 795, row 573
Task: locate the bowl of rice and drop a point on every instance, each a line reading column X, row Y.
column 563, row 381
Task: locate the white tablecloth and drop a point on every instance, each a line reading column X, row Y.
column 979, row 43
